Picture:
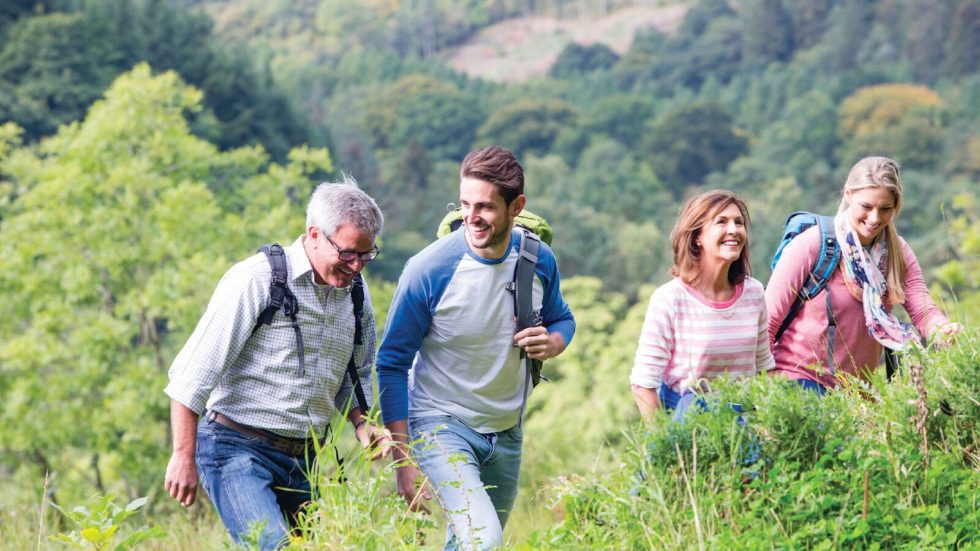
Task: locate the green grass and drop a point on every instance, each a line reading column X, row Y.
column 846, row 471
column 843, row 472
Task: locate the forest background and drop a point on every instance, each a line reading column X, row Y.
column 147, row 145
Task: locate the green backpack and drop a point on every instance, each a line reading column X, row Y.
column 536, row 229
column 526, row 219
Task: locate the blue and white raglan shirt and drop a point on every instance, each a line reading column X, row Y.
column 452, row 324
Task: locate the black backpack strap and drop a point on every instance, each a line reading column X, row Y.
column 527, row 260
column 891, row 364
column 281, row 297
column 357, row 298
column 277, row 289
column 522, row 287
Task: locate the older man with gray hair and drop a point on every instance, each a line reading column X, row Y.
column 256, row 384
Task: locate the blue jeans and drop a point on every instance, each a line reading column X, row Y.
column 813, row 386
column 681, row 404
column 474, row 475
column 249, row 481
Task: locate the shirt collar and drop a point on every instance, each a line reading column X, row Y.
column 299, row 263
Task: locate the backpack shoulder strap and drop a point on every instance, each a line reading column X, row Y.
column 523, row 289
column 820, row 273
column 277, row 288
column 827, row 259
column 357, row 298
column 527, row 260
column 280, row 297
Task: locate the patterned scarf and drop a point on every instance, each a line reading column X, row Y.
column 864, row 275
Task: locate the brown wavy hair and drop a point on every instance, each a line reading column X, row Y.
column 695, row 213
column 498, row 166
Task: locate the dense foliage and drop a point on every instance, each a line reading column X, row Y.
column 54, row 64
column 882, row 466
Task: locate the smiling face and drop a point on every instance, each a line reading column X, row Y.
column 328, row 268
column 723, row 236
column 487, row 219
column 870, row 210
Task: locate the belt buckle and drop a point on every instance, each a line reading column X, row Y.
column 288, row 445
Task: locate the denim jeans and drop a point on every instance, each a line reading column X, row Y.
column 474, row 475
column 680, row 405
column 249, row 481
column 812, row 386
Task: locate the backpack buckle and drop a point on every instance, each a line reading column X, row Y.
column 290, row 306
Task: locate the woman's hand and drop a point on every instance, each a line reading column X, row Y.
column 944, row 333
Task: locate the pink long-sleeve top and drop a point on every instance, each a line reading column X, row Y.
column 801, row 352
column 687, row 338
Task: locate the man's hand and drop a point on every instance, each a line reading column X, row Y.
column 374, row 438
column 413, row 487
column 181, row 479
column 539, row 344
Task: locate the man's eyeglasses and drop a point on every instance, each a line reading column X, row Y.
column 347, row 255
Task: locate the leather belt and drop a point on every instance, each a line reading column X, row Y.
column 288, row 446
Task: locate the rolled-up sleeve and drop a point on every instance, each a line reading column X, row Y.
column 218, row 338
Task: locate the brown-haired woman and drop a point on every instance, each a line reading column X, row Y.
column 710, row 320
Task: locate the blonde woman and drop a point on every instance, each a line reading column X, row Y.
column 844, row 328
column 710, row 320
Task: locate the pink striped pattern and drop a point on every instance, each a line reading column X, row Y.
column 687, row 338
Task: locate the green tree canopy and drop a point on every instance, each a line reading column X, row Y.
column 109, row 247
column 579, row 59
column 690, row 142
column 527, row 126
column 900, row 120
column 432, row 113
column 767, row 34
column 53, row 65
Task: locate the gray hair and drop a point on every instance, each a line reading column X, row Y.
column 335, row 204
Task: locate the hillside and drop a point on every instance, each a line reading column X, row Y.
column 513, row 50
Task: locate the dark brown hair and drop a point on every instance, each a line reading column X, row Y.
column 498, row 166
column 695, row 213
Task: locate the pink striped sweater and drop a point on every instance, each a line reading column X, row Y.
column 687, row 338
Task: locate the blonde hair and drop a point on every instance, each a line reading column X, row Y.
column 882, row 172
column 695, row 213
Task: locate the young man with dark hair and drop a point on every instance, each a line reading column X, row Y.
column 452, row 323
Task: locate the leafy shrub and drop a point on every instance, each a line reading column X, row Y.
column 98, row 524
column 843, row 471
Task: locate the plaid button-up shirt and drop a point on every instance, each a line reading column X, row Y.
column 254, row 379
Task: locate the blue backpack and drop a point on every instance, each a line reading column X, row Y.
column 820, row 273
column 823, row 268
